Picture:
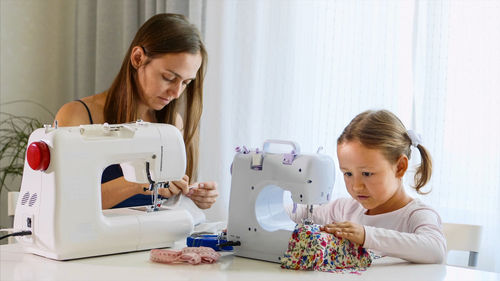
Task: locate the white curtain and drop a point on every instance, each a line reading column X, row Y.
column 457, row 85
column 301, row 70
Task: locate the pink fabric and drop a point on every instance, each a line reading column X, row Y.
column 192, row 255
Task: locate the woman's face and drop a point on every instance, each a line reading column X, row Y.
column 164, row 78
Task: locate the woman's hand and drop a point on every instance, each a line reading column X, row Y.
column 203, row 194
column 349, row 230
column 175, row 187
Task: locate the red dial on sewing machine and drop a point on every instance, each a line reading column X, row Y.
column 38, row 155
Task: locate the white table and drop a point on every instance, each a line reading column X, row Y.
column 16, row 265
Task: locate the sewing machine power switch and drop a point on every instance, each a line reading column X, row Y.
column 38, row 155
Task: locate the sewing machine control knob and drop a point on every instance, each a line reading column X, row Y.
column 38, row 156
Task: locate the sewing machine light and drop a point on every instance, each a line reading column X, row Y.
column 38, row 156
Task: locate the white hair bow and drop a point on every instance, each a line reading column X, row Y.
column 415, row 137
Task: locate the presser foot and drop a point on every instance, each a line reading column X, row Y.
column 152, row 208
column 307, row 221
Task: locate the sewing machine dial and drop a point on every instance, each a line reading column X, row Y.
column 38, row 156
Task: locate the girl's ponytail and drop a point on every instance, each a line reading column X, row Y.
column 424, row 170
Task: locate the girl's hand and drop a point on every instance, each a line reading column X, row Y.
column 348, row 230
column 203, row 194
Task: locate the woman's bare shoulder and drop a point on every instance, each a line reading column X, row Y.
column 72, row 113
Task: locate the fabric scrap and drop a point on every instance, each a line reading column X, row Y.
column 311, row 249
column 191, row 255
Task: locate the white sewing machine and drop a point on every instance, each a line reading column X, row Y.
column 257, row 216
column 60, row 196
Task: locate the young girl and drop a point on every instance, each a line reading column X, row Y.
column 373, row 152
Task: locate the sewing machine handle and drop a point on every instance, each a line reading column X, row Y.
column 296, row 147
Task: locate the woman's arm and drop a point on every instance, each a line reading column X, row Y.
column 117, row 190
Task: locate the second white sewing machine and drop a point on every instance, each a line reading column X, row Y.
column 60, row 196
column 257, row 216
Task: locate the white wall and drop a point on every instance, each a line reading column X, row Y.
column 35, row 62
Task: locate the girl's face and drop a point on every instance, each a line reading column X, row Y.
column 166, row 77
column 370, row 178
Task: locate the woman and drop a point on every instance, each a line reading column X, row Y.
column 165, row 60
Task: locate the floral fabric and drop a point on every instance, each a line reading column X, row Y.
column 311, row 249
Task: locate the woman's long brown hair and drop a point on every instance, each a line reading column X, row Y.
column 161, row 34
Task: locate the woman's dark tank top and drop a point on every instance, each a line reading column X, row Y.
column 115, row 171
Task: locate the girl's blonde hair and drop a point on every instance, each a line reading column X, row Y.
column 383, row 130
column 162, row 34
